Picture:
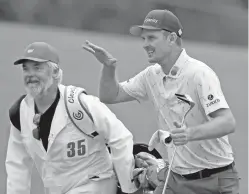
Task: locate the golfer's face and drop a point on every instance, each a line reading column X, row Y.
column 155, row 44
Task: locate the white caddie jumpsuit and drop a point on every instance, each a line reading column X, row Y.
column 74, row 162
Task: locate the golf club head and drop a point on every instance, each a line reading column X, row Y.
column 186, row 98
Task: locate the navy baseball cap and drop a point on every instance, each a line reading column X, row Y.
column 39, row 52
column 159, row 20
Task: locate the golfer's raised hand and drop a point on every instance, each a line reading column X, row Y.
column 101, row 54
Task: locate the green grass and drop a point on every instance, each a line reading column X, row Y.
column 80, row 68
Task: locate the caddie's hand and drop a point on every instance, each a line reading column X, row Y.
column 152, row 173
column 101, row 54
column 180, row 134
column 158, row 137
column 144, row 159
column 139, row 177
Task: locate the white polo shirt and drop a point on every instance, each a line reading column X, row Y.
column 192, row 77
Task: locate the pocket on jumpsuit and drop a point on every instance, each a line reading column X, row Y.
column 96, row 185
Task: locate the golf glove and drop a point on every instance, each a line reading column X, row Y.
column 158, row 137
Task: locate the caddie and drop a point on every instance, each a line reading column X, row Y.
column 63, row 132
column 204, row 161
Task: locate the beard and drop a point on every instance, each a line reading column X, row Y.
column 38, row 88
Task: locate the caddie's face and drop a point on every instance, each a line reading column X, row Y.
column 37, row 77
column 156, row 45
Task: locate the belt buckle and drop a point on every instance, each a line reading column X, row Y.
column 205, row 173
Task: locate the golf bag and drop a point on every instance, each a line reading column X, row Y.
column 137, row 148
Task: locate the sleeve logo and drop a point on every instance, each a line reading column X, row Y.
column 210, row 97
column 213, row 102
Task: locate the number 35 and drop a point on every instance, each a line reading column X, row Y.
column 76, row 148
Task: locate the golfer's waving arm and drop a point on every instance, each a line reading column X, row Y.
column 110, row 90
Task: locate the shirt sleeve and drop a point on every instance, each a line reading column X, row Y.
column 209, row 91
column 18, row 165
column 119, row 139
column 136, row 86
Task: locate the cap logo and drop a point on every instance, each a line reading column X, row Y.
column 30, row 50
column 150, row 20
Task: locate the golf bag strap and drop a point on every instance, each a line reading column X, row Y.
column 77, row 111
column 14, row 113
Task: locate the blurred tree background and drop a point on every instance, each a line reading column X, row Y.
column 216, row 21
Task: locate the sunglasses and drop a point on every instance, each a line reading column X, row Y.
column 36, row 131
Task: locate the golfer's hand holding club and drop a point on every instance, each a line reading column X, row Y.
column 180, row 134
column 101, row 54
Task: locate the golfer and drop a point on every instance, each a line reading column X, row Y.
column 204, row 161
